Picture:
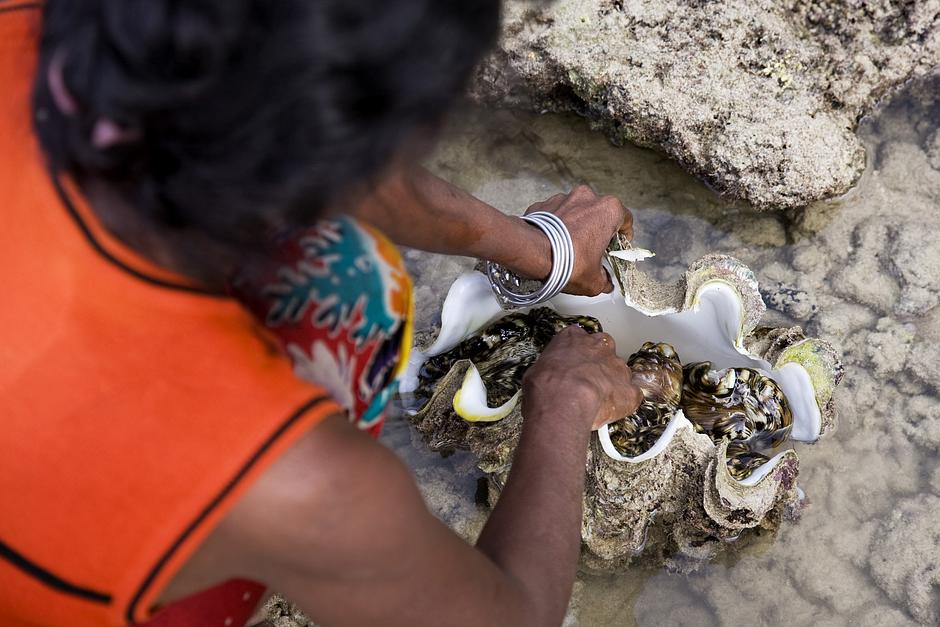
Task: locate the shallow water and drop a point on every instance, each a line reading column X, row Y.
column 866, row 269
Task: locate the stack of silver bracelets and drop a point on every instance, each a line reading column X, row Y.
column 506, row 284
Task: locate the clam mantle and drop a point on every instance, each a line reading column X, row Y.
column 677, row 498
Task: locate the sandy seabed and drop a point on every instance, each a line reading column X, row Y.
column 862, row 271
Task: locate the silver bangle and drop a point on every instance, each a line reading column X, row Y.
column 506, row 284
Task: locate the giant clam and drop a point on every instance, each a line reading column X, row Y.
column 658, row 373
column 502, row 351
column 665, row 488
column 738, row 404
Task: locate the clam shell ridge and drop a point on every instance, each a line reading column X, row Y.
column 678, row 497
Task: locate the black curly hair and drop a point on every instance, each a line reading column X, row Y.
column 249, row 115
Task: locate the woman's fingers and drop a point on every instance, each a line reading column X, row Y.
column 603, row 284
column 623, row 218
column 626, row 229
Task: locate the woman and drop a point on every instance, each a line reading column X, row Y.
column 171, row 166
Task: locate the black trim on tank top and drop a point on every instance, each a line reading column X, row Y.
column 110, row 258
column 18, row 7
column 7, row 7
column 50, row 579
column 215, row 502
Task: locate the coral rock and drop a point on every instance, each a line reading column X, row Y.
column 758, row 98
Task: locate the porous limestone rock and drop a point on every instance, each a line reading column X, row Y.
column 759, row 98
column 905, row 554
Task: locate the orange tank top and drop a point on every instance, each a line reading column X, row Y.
column 134, row 409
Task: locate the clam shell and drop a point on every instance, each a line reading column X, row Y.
column 677, row 497
column 444, row 431
column 633, row 508
column 735, row 505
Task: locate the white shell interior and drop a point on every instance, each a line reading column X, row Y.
column 470, row 400
column 708, row 331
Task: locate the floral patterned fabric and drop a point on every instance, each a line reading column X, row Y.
column 339, row 300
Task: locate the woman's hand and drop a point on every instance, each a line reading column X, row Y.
column 579, row 377
column 592, row 221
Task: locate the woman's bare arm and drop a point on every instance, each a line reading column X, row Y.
column 420, row 210
column 338, row 526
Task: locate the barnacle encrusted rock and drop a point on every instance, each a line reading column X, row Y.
column 759, row 98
